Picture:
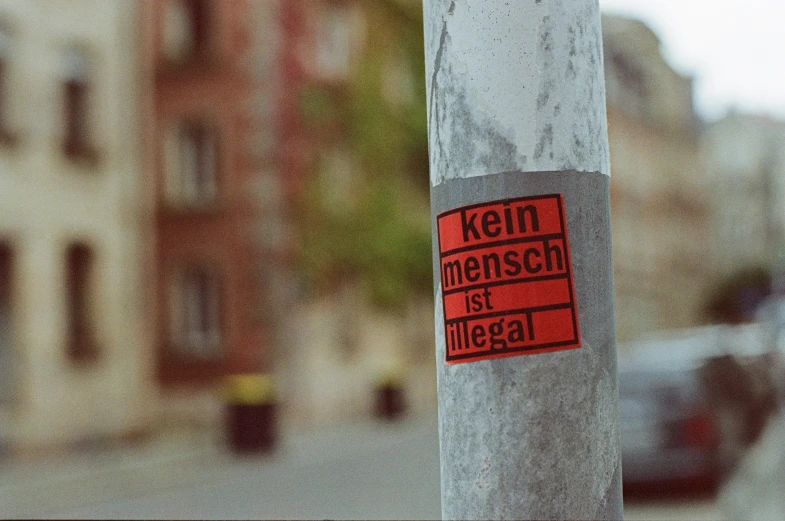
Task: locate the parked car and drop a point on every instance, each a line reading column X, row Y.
column 691, row 402
column 669, row 431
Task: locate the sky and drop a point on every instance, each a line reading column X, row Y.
column 734, row 49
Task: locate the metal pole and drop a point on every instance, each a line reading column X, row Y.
column 525, row 342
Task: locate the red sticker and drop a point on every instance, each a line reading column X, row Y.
column 506, row 276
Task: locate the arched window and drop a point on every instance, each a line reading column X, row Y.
column 186, row 25
column 191, row 164
column 7, row 358
column 195, row 312
column 76, row 103
column 5, row 57
column 80, row 334
column 7, row 135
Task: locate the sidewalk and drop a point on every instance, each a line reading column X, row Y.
column 757, row 490
column 364, row 470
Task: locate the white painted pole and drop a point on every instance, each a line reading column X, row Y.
column 526, row 355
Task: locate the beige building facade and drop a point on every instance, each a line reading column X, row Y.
column 659, row 195
column 745, row 156
column 75, row 346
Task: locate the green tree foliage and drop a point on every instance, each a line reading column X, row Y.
column 373, row 224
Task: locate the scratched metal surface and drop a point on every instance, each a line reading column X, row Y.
column 534, row 436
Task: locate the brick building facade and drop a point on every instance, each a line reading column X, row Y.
column 198, row 91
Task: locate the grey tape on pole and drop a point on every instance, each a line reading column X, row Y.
column 536, row 435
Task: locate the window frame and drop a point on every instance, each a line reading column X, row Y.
column 196, row 327
column 7, row 135
column 77, row 86
column 192, row 164
column 198, row 19
column 79, row 295
column 8, row 359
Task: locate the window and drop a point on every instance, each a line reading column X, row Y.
column 6, row 135
column 397, row 81
column 81, row 344
column 76, row 92
column 185, row 31
column 7, row 386
column 338, row 178
column 191, row 158
column 195, row 313
column 335, row 35
column 630, row 79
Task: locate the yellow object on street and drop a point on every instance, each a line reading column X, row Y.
column 250, row 389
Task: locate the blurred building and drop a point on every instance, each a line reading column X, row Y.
column 142, row 216
column 208, row 130
column 74, row 335
column 745, row 157
column 350, row 147
column 157, row 154
column 660, row 201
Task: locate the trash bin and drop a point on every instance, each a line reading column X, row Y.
column 251, row 413
column 390, row 395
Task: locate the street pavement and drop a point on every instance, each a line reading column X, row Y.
column 369, row 470
column 756, row 491
column 364, row 470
